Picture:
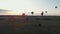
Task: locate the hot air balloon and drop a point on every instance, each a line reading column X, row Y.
column 42, row 13
column 45, row 11
column 32, row 13
column 55, row 6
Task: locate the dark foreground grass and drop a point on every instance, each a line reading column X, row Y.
column 32, row 26
column 26, row 28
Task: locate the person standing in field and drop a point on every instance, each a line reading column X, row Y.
column 27, row 19
column 11, row 20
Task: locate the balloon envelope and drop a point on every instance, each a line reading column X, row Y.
column 55, row 6
column 32, row 12
column 45, row 11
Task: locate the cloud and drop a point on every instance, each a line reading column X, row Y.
column 3, row 11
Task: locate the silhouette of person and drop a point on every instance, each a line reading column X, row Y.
column 26, row 19
column 11, row 20
column 42, row 13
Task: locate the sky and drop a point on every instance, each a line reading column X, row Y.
column 18, row 7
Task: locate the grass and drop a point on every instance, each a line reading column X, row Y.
column 47, row 26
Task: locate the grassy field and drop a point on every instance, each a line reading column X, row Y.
column 34, row 25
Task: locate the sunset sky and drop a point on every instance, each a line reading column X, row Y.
column 26, row 6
